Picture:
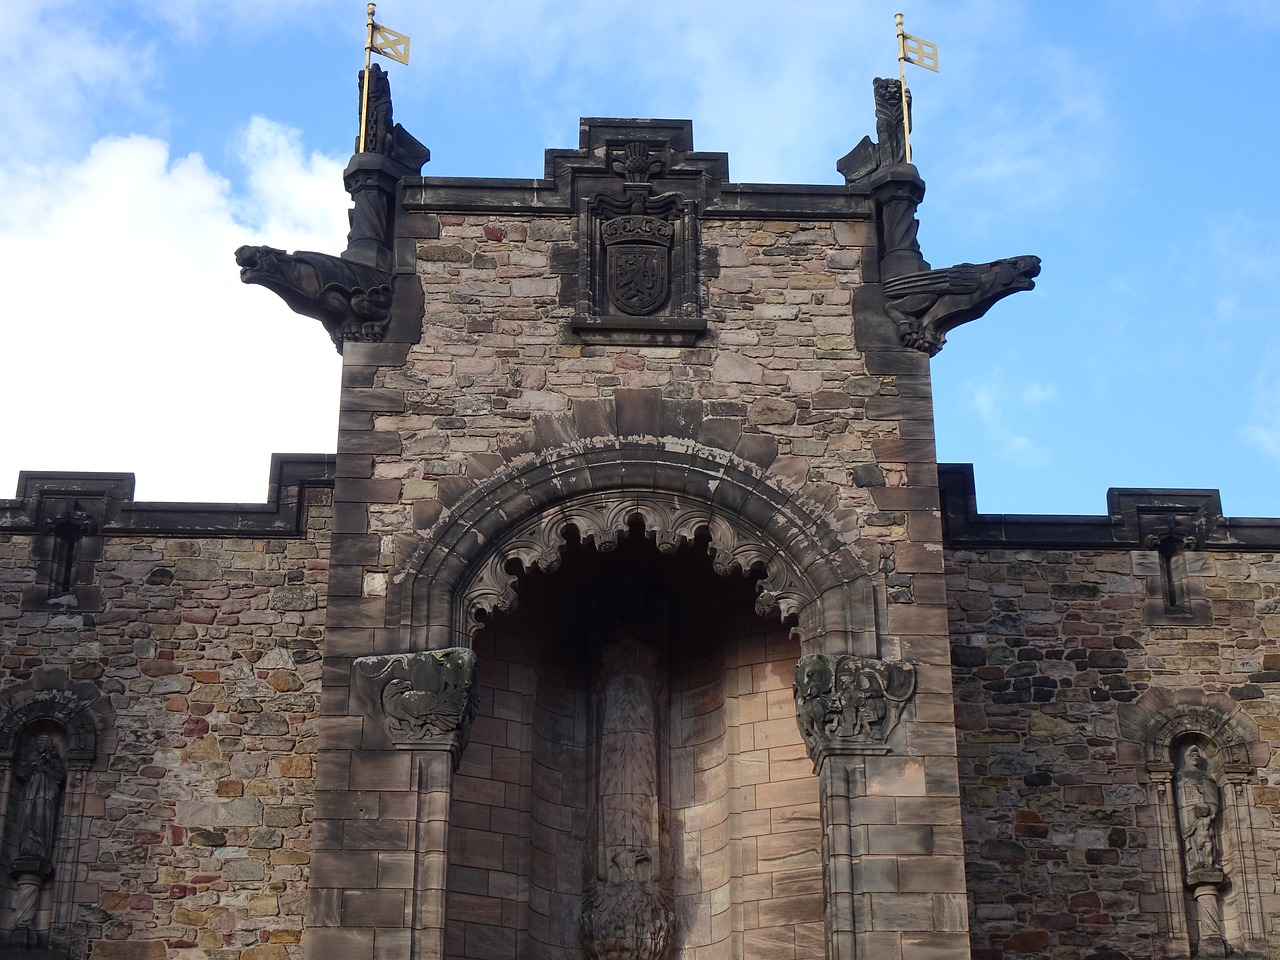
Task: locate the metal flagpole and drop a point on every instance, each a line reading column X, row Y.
column 923, row 54
column 364, row 94
column 902, row 85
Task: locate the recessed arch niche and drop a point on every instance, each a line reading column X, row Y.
column 467, row 565
column 737, row 578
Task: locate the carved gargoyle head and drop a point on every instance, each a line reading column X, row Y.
column 1019, row 273
column 275, row 269
column 351, row 299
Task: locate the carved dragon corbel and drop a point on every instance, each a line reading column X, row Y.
column 351, row 294
column 925, row 304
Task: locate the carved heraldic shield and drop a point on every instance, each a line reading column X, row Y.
column 639, row 262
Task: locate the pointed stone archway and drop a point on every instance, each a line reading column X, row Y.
column 468, row 563
column 679, row 495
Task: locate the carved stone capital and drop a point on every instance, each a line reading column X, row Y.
column 421, row 699
column 847, row 704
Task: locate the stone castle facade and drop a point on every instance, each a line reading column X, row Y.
column 634, row 617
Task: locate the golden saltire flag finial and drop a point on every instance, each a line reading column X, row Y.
column 388, row 43
column 923, row 54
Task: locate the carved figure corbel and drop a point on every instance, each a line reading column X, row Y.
column 420, row 697
column 925, row 304
column 849, row 700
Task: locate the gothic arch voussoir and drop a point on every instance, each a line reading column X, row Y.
column 467, row 565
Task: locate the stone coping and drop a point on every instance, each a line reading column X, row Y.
column 1134, row 516
column 109, row 498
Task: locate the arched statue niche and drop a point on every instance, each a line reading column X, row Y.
column 51, row 729
column 623, row 682
column 1202, row 756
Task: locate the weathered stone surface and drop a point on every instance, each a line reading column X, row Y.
column 192, row 763
column 1050, row 646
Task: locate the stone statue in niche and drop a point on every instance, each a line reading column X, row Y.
column 1199, row 802
column 40, row 777
column 421, row 696
column 850, row 699
column 626, row 909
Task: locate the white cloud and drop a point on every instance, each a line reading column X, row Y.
column 138, row 348
column 1262, row 429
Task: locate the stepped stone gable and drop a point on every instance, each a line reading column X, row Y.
column 634, row 617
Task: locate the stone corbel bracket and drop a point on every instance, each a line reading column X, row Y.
column 929, row 305
column 420, row 699
column 850, row 704
column 352, row 300
column 925, row 304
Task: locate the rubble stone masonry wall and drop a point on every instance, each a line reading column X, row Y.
column 193, row 821
column 1053, row 658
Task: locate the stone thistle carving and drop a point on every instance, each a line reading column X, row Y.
column 41, row 776
column 420, row 697
column 636, row 162
column 352, row 300
column 626, row 908
column 928, row 305
column 850, row 700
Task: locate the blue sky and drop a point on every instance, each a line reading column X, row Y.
column 1129, row 145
